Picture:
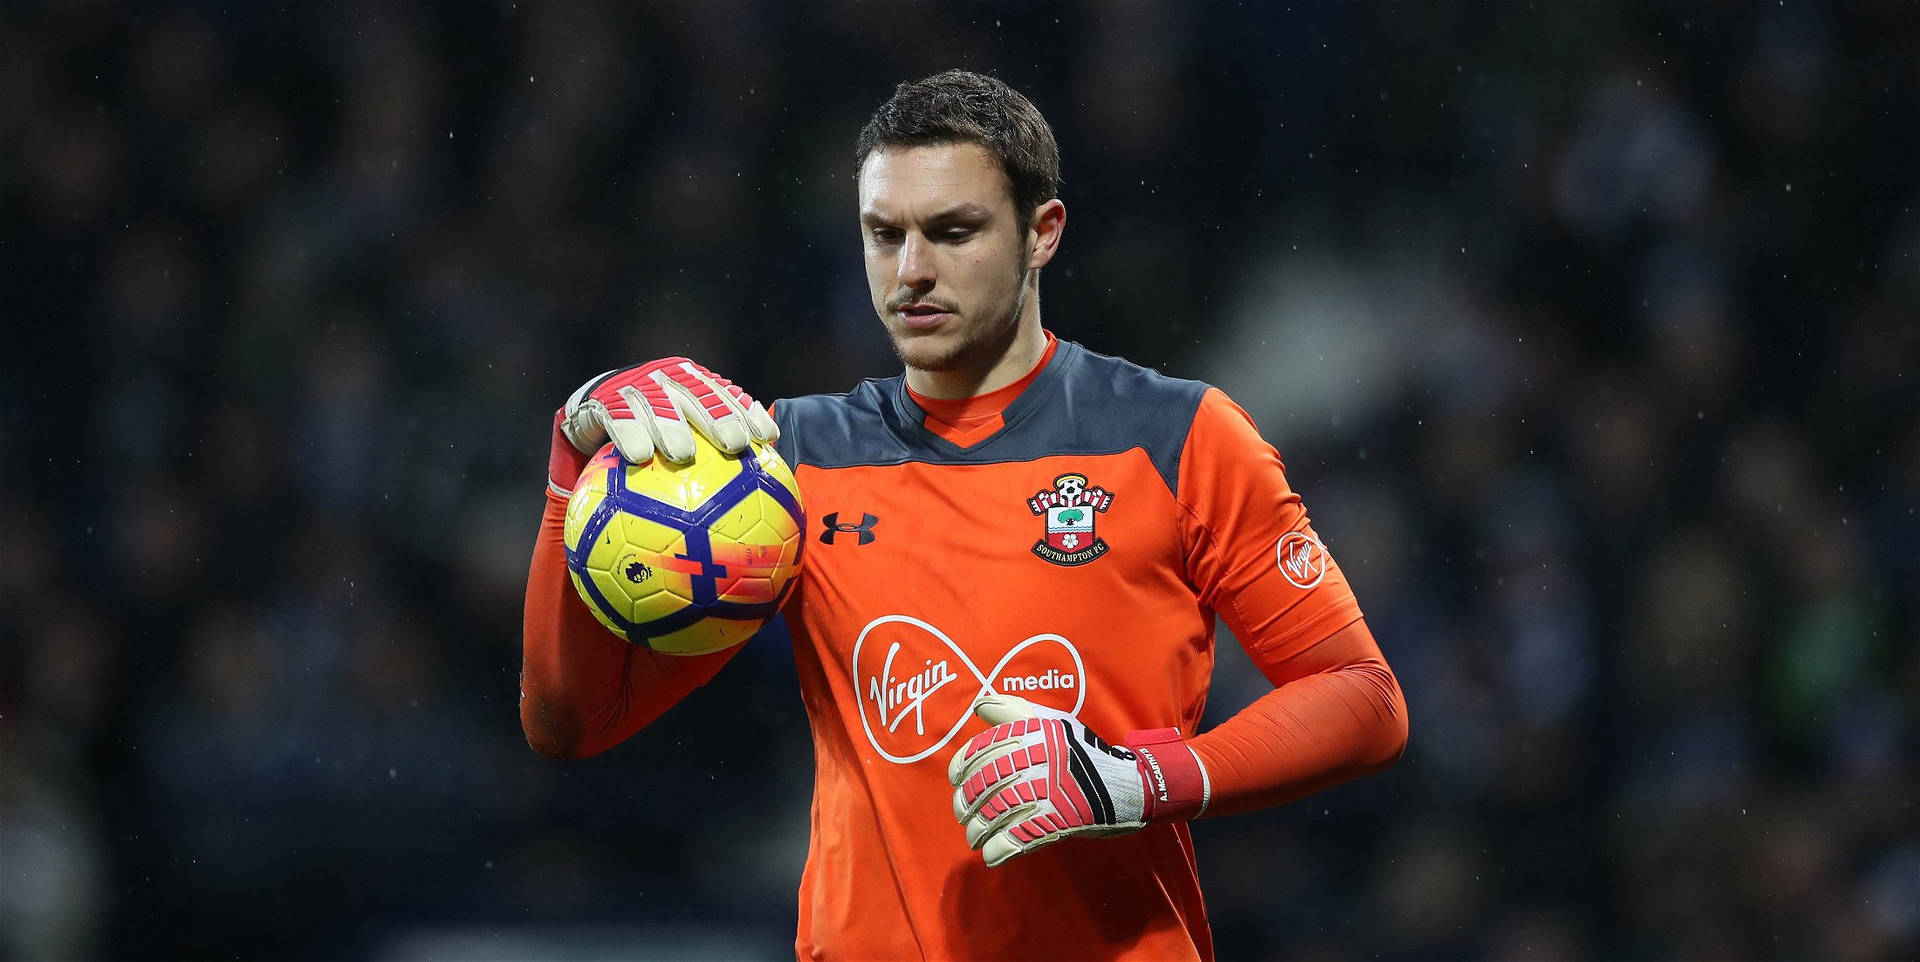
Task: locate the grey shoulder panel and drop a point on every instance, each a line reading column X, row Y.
column 841, row 430
column 1109, row 404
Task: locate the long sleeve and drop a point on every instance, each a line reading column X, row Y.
column 1336, row 712
column 583, row 689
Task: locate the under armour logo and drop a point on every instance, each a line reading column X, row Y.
column 865, row 527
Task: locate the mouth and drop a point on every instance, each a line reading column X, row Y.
column 921, row 315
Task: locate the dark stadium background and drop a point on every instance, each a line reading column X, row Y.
column 1587, row 330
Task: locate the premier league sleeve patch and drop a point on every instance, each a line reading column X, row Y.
column 1070, row 509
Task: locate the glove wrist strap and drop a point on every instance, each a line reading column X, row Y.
column 1175, row 784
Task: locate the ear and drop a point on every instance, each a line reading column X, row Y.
column 1049, row 222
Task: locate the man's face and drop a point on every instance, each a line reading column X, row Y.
column 947, row 257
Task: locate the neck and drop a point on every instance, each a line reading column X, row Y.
column 1011, row 364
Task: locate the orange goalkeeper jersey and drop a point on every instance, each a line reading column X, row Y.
column 1077, row 557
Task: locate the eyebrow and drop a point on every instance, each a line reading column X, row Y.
column 962, row 211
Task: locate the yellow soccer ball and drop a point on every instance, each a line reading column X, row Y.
column 685, row 559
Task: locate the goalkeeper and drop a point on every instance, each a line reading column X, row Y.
column 1004, row 627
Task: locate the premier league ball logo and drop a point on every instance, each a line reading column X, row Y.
column 1070, row 508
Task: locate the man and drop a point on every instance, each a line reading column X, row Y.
column 1018, row 546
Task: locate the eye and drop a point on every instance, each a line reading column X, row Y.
column 886, row 235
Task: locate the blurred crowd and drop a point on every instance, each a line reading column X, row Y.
column 1588, row 332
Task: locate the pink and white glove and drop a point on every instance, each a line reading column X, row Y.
column 1039, row 776
column 653, row 408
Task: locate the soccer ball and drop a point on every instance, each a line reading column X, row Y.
column 685, row 558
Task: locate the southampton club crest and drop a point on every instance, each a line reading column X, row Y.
column 1070, row 507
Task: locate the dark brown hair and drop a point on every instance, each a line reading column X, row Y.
column 958, row 106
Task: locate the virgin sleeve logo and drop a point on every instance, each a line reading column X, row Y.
column 1303, row 559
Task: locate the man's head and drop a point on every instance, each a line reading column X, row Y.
column 959, row 107
column 957, row 211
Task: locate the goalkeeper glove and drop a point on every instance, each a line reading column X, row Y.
column 647, row 408
column 1039, row 776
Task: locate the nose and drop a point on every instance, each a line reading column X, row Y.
column 916, row 270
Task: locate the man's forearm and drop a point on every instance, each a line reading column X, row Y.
column 583, row 690
column 1312, row 732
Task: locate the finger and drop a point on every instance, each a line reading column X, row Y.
column 969, row 763
column 981, row 827
column 714, row 391
column 987, row 775
column 1002, row 709
column 673, row 429
column 968, row 759
column 1002, row 846
column 661, row 422
column 1012, row 797
column 762, row 424
column 998, row 849
column 583, row 427
column 629, row 437
column 711, row 408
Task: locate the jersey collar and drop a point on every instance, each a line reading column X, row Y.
column 1042, row 386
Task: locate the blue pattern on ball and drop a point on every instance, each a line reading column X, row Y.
column 693, row 524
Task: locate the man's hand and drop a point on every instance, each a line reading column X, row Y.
column 1039, row 776
column 653, row 408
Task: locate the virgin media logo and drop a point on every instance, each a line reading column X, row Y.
column 915, row 685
